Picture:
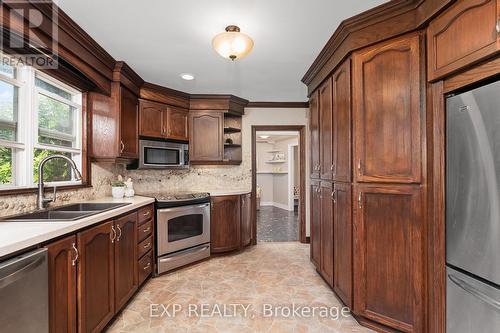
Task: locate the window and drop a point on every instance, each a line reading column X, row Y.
column 39, row 117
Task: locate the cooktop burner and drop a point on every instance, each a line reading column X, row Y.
column 173, row 199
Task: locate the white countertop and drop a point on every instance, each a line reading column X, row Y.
column 15, row 236
column 217, row 193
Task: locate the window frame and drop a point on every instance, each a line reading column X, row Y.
column 27, row 132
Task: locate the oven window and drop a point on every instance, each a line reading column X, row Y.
column 185, row 226
column 161, row 156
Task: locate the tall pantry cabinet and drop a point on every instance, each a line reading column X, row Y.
column 367, row 207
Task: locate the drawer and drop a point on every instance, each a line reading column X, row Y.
column 144, row 246
column 145, row 214
column 145, row 267
column 144, row 231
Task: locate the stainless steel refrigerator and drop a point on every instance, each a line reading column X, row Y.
column 473, row 210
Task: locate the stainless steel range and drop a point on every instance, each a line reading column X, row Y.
column 182, row 229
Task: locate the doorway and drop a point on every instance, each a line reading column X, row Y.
column 278, row 183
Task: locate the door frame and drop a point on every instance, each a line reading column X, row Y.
column 302, row 169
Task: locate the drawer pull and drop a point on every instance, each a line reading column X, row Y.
column 147, row 266
column 147, row 245
column 146, row 230
column 147, row 213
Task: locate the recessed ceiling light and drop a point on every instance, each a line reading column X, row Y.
column 264, row 136
column 187, row 76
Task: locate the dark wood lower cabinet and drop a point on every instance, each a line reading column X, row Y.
column 125, row 259
column 62, row 285
column 225, row 224
column 315, row 224
column 388, row 256
column 96, row 277
column 326, row 267
column 246, row 219
column 342, row 242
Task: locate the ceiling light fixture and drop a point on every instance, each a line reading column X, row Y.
column 187, row 76
column 264, row 136
column 232, row 44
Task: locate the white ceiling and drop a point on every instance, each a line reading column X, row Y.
column 161, row 39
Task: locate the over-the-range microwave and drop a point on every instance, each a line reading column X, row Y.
column 163, row 155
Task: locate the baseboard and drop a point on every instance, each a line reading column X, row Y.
column 275, row 204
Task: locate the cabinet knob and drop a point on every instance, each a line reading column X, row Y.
column 334, row 192
column 498, row 26
column 147, row 266
column 119, row 233
column 112, row 234
column 359, row 200
column 122, row 146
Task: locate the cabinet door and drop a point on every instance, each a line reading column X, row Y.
column 105, row 124
column 96, row 277
column 325, row 133
column 342, row 242
column 314, row 128
column 62, row 285
column 341, row 88
column 388, row 256
column 225, row 223
column 463, row 34
column 129, row 117
column 246, row 219
column 315, row 224
column 177, row 123
column 206, row 136
column 151, row 119
column 326, row 232
column 387, row 113
column 125, row 259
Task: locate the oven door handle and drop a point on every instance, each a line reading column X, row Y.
column 183, row 208
column 184, row 253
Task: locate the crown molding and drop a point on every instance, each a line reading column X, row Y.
column 283, row 105
column 383, row 22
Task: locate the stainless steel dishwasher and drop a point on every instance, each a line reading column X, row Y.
column 24, row 295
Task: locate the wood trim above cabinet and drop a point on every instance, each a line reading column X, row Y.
column 386, row 21
column 226, row 103
column 275, row 105
column 160, row 94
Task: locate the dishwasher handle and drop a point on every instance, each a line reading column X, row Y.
column 30, row 265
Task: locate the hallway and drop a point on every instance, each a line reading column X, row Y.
column 277, row 225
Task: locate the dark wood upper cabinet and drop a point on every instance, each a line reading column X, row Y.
column 225, row 218
column 387, row 112
column 176, row 123
column 151, row 122
column 314, row 128
column 341, row 99
column 246, row 219
column 388, row 256
column 325, row 132
column 463, row 34
column 125, row 259
column 315, row 224
column 342, row 242
column 96, row 277
column 129, row 122
column 62, row 259
column 206, row 136
column 114, row 119
column 326, row 231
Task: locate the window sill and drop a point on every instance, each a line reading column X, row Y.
column 34, row 190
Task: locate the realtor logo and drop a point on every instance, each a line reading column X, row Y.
column 29, row 33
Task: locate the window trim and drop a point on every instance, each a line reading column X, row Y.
column 29, row 126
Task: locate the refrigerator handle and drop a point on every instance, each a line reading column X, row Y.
column 474, row 292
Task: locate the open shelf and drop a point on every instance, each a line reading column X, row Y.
column 232, row 130
column 232, row 145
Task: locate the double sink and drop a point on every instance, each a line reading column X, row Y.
column 67, row 213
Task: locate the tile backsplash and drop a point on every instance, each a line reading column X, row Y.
column 201, row 178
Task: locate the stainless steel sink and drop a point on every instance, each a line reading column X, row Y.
column 89, row 207
column 65, row 213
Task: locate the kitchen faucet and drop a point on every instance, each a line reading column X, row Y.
column 41, row 200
